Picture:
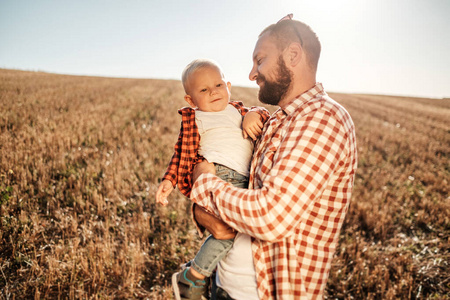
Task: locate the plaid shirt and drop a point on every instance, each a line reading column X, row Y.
column 301, row 179
column 180, row 168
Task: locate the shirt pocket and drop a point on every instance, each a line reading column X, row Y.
column 267, row 159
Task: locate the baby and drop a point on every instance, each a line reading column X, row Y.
column 218, row 130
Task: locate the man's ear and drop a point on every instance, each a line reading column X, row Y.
column 294, row 54
column 189, row 101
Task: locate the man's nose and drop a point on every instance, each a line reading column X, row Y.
column 253, row 74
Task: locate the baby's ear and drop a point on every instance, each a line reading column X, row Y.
column 189, row 101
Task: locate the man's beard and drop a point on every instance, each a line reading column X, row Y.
column 272, row 92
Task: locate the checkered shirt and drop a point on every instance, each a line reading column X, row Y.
column 185, row 156
column 301, row 180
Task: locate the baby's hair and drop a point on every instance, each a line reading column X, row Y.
column 196, row 65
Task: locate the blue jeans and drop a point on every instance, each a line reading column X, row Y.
column 212, row 250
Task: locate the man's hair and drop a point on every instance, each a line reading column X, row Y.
column 285, row 33
column 195, row 65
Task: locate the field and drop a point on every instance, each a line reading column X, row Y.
column 80, row 162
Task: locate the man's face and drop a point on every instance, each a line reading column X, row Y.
column 270, row 71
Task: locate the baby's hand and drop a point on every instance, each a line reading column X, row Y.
column 164, row 190
column 252, row 125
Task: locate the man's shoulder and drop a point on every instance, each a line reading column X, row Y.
column 323, row 106
column 336, row 110
column 333, row 105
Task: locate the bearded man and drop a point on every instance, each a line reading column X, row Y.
column 301, row 178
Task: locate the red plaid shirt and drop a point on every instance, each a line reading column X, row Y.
column 301, row 179
column 180, row 168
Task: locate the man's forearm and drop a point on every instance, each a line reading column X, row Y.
column 219, row 229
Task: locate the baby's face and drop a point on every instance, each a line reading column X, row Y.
column 208, row 90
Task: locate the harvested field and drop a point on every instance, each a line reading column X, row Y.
column 80, row 162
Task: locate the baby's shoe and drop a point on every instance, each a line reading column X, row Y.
column 187, row 287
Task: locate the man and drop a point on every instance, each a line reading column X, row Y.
column 301, row 178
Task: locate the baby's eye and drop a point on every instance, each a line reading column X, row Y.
column 203, row 90
column 219, row 85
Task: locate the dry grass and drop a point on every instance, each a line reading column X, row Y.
column 80, row 161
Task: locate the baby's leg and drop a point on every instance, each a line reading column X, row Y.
column 211, row 252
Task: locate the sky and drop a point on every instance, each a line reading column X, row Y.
column 390, row 47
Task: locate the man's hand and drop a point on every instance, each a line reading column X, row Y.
column 219, row 229
column 202, row 167
column 164, row 189
column 252, row 125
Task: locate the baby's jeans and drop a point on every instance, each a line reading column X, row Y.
column 213, row 250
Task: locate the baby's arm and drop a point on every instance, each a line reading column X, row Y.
column 170, row 177
column 164, row 190
column 252, row 125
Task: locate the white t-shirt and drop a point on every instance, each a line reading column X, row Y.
column 236, row 272
column 222, row 141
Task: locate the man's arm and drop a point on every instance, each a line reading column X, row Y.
column 215, row 226
column 305, row 159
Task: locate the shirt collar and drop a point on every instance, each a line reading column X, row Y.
column 303, row 98
column 186, row 111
